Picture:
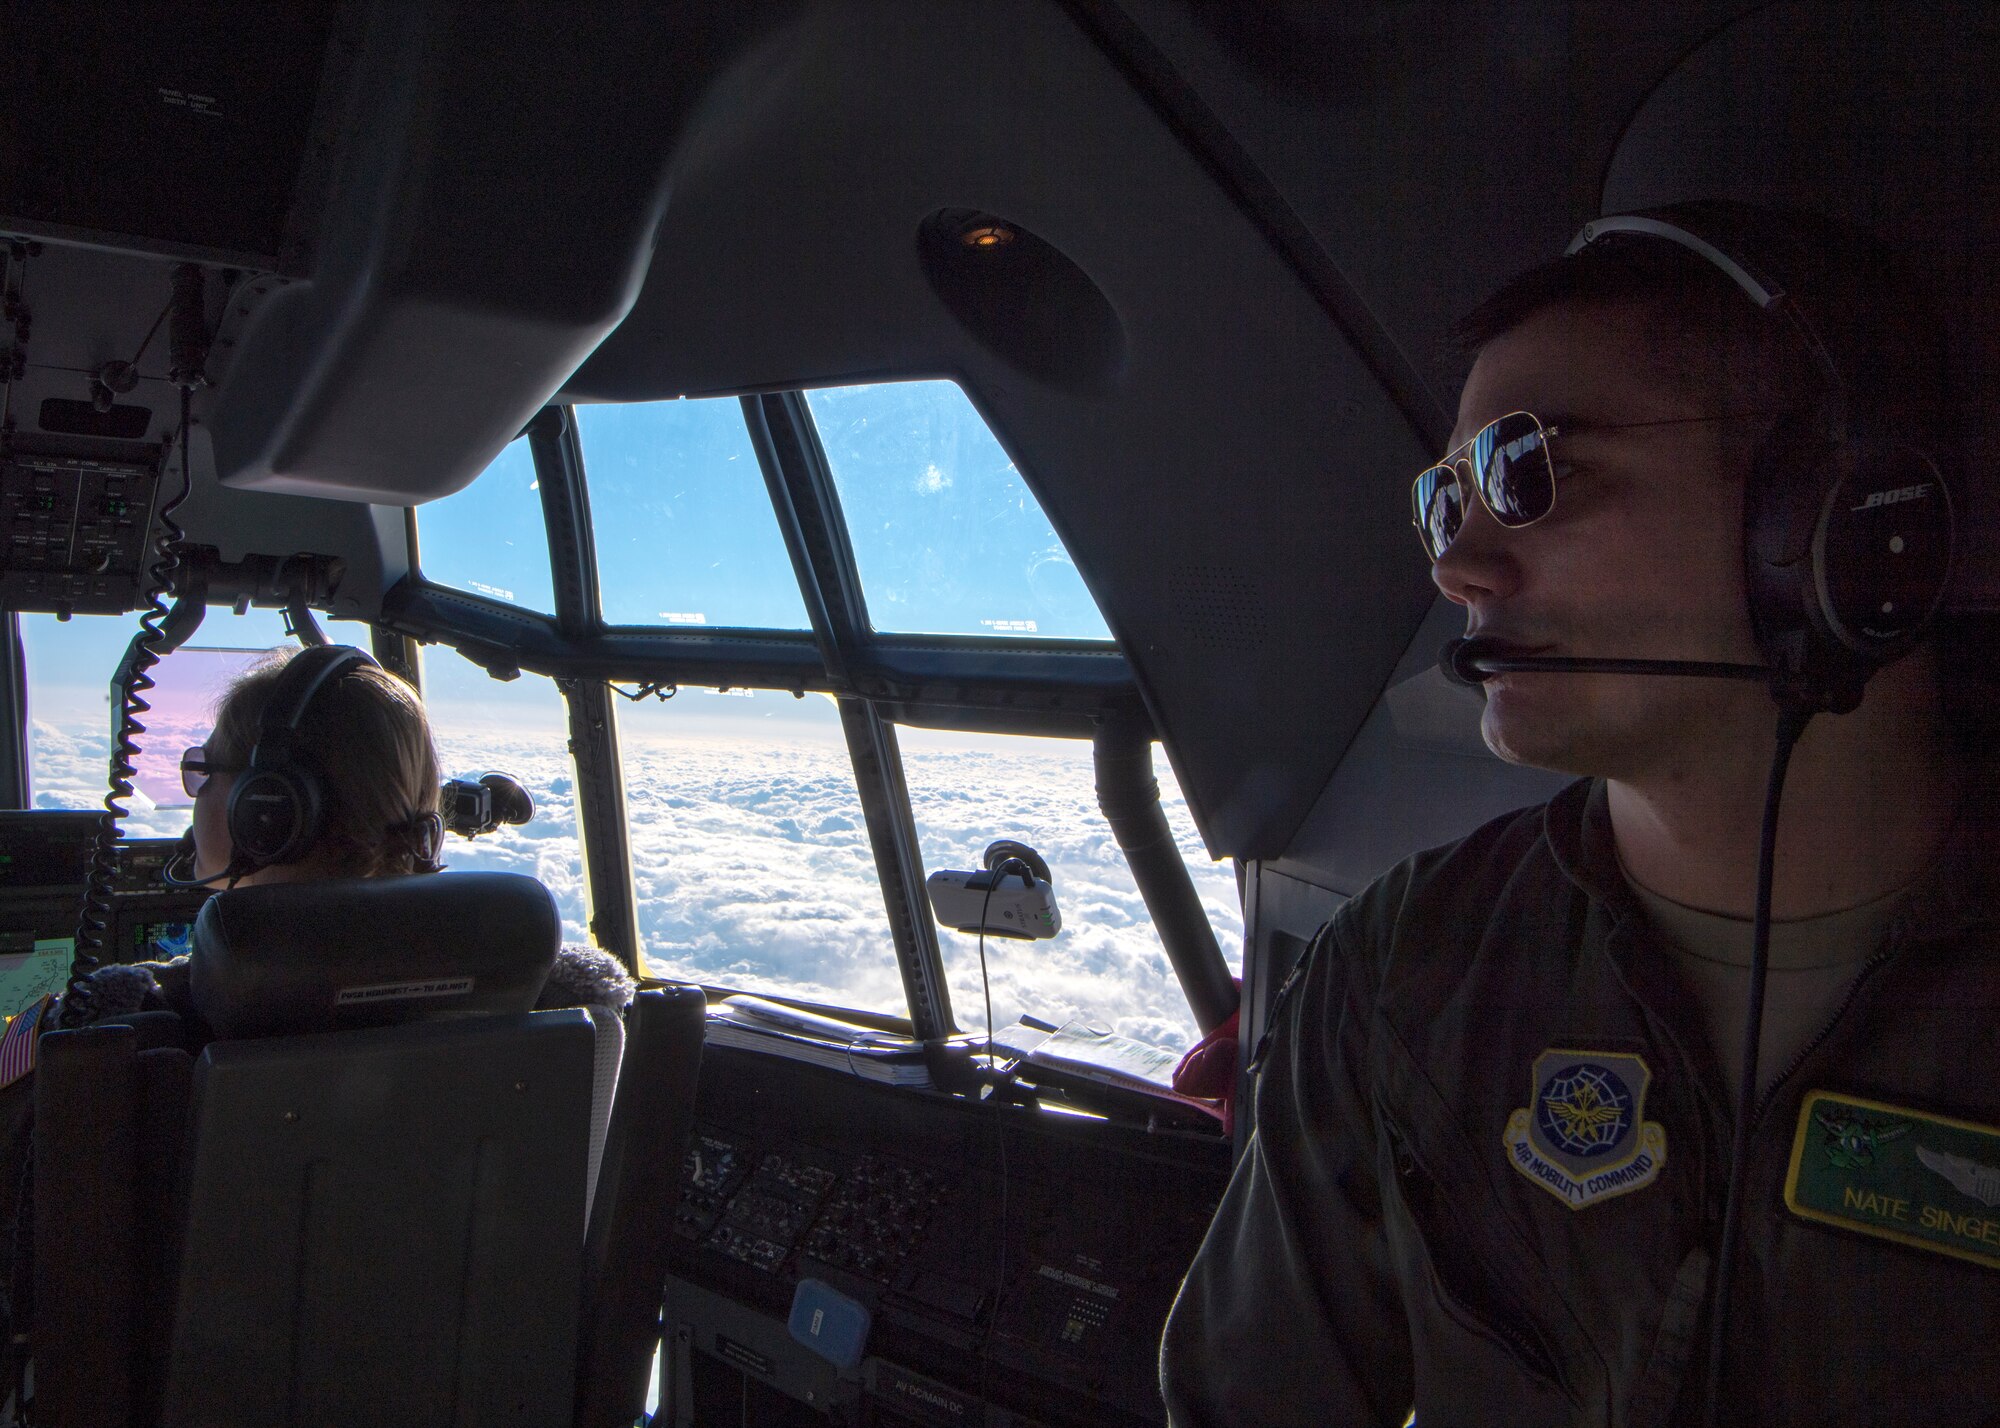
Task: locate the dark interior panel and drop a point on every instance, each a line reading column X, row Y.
column 183, row 127
column 1009, row 1257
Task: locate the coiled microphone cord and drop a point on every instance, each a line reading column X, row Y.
column 94, row 921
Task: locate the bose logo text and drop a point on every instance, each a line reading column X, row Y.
column 1890, row 498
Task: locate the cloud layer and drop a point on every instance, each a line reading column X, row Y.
column 752, row 866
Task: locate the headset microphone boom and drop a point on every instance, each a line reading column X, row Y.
column 1471, row 662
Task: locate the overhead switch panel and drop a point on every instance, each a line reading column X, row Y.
column 75, row 533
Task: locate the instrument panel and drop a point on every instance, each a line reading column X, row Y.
column 1017, row 1264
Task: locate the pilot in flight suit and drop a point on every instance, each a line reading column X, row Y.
column 1494, row 1115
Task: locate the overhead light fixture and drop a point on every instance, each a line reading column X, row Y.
column 987, row 234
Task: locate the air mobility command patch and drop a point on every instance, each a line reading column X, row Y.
column 1583, row 1135
column 1919, row 1179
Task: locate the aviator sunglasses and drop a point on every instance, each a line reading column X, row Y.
column 196, row 770
column 1508, row 463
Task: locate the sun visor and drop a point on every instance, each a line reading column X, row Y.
column 494, row 181
column 1880, row 116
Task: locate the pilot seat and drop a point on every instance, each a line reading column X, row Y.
column 367, row 1182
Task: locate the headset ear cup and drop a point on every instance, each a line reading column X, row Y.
column 1883, row 547
column 1848, row 551
column 274, row 816
column 276, row 808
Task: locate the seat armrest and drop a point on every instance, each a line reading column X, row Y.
column 638, row 1186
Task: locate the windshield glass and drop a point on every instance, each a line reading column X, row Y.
column 948, row 538
column 519, row 727
column 683, row 523
column 490, row 538
column 750, row 855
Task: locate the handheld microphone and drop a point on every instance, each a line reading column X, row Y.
column 1471, row 662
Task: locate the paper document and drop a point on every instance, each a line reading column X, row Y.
column 1101, row 1054
column 753, row 1024
column 756, row 1010
column 26, row 977
column 1082, row 1051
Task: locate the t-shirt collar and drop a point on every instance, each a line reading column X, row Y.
column 1954, row 893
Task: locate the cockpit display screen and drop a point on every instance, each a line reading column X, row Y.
column 157, row 941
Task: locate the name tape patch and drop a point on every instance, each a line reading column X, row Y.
column 402, row 991
column 1583, row 1135
column 1924, row 1180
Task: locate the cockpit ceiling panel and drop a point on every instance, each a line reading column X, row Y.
column 1224, row 487
column 498, row 178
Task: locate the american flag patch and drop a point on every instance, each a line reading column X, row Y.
column 17, row 1043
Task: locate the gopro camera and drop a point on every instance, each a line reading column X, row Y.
column 471, row 807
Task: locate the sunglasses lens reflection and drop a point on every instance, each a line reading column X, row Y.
column 1438, row 508
column 1516, row 476
column 1511, row 456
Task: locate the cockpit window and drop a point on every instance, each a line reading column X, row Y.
column 1107, row 964
column 69, row 669
column 947, row 536
column 750, row 855
column 683, row 524
column 489, row 538
column 519, row 727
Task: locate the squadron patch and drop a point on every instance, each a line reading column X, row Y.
column 1923, row 1180
column 1583, row 1135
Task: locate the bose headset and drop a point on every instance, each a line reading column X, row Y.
column 1848, row 539
column 278, row 806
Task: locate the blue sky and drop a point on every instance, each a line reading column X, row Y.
column 947, row 536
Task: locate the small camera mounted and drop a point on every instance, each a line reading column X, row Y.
column 1010, row 896
column 475, row 806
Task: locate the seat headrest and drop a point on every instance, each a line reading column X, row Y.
column 284, row 958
